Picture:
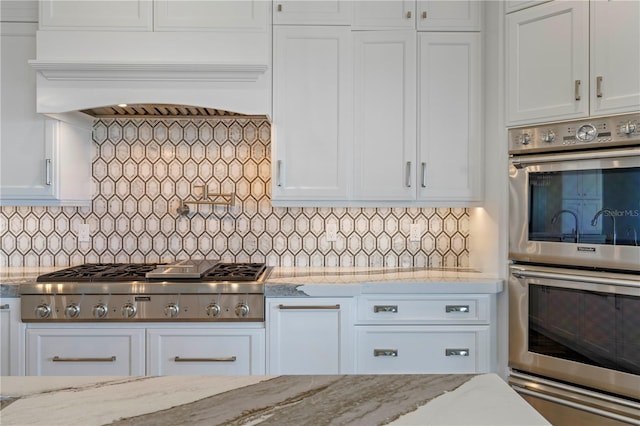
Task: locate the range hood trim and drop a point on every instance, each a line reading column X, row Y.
column 110, row 71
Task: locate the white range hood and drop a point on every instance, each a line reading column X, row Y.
column 90, row 69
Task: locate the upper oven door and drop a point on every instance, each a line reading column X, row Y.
column 579, row 209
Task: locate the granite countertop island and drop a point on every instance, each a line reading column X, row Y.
column 439, row 399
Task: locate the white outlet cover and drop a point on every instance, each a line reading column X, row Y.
column 332, row 232
column 415, row 232
column 84, row 233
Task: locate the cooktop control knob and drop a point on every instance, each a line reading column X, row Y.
column 628, row 129
column 100, row 310
column 43, row 311
column 213, row 310
column 548, row 136
column 524, row 139
column 171, row 310
column 129, row 310
column 72, row 311
column 242, row 310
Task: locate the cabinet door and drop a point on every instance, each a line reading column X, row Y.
column 450, row 137
column 206, row 352
column 383, row 15
column 309, row 335
column 615, row 57
column 85, row 352
column 514, row 5
column 312, row 117
column 548, row 63
column 26, row 154
column 422, row 349
column 96, row 15
column 314, row 12
column 19, row 11
column 11, row 338
column 439, row 15
column 385, row 114
column 197, row 15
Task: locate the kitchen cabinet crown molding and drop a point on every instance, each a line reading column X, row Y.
column 111, row 71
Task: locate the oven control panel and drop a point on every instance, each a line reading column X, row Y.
column 621, row 130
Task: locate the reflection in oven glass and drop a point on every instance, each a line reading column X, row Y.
column 600, row 329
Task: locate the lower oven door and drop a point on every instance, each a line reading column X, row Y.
column 568, row 405
column 576, row 326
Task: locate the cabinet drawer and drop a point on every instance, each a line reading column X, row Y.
column 206, row 352
column 85, row 352
column 417, row 309
column 422, row 349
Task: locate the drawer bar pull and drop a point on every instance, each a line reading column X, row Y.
column 229, row 359
column 5, row 306
column 456, row 352
column 284, row 307
column 457, row 308
column 385, row 352
column 107, row 359
column 385, row 308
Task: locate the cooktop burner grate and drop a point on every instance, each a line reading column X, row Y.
column 93, row 272
column 235, row 272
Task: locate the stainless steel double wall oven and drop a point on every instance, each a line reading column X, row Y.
column 574, row 288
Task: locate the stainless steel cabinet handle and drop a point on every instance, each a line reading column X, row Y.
column 385, row 308
column 577, row 90
column 409, row 15
column 408, row 174
column 47, row 170
column 456, row 352
column 284, row 307
column 424, row 175
column 5, row 306
column 424, row 15
column 228, row 359
column 599, row 86
column 457, row 308
column 279, row 173
column 385, row 352
column 279, row 8
column 108, row 359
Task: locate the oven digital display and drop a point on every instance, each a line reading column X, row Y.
column 601, row 329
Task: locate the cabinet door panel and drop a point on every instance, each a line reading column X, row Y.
column 96, row 15
column 615, row 57
column 85, row 352
column 312, row 114
column 198, row 352
column 379, row 15
column 11, row 338
column 438, row 15
column 450, row 139
column 385, row 129
column 547, row 53
column 314, row 12
column 180, row 15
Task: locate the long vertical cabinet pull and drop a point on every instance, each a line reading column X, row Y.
column 424, row 175
column 577, row 90
column 599, row 86
column 47, row 171
column 279, row 8
column 279, row 173
column 408, row 176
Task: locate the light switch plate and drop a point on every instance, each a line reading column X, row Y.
column 332, row 232
column 415, row 232
column 84, row 233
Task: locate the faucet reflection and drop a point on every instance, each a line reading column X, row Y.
column 555, row 217
column 606, row 212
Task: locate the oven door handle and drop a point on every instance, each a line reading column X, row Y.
column 522, row 161
column 522, row 273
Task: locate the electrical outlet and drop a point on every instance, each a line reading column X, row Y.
column 332, row 232
column 415, row 233
column 84, row 233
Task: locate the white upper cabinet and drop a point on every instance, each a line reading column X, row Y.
column 385, row 115
column 381, row 15
column 450, row 120
column 198, row 15
column 439, row 15
column 615, row 57
column 44, row 161
column 312, row 116
column 515, row 5
column 98, row 15
column 19, row 11
column 565, row 61
column 314, row 12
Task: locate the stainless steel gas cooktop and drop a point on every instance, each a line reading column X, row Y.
column 188, row 290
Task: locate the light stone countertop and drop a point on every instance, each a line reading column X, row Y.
column 438, row 399
column 328, row 281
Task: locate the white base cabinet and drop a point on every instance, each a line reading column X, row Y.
column 85, row 352
column 205, row 351
column 310, row 335
column 11, row 338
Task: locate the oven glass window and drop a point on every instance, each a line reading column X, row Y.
column 600, row 329
column 587, row 206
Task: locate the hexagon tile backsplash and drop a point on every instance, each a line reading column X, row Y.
column 141, row 170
